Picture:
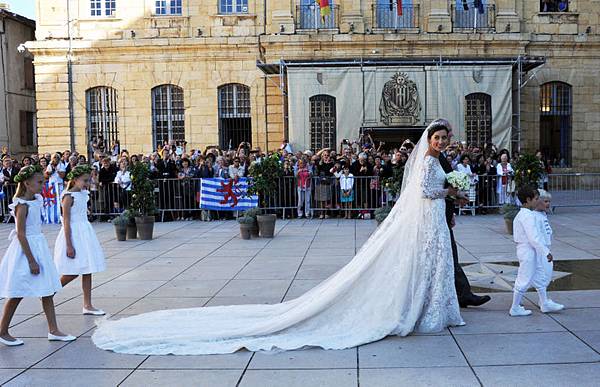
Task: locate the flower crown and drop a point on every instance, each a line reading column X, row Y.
column 79, row 170
column 27, row 172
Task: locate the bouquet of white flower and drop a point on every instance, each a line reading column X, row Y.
column 459, row 180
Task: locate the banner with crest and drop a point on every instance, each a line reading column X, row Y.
column 226, row 194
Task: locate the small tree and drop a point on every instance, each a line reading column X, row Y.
column 142, row 199
column 265, row 178
column 528, row 171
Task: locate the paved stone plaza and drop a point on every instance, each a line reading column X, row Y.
column 192, row 264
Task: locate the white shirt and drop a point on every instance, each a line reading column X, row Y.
column 466, row 169
column 233, row 171
column 347, row 182
column 527, row 231
column 544, row 227
column 123, row 179
column 55, row 177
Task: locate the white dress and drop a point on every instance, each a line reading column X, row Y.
column 89, row 257
column 16, row 279
column 401, row 281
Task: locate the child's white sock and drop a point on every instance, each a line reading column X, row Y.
column 517, row 298
column 543, row 296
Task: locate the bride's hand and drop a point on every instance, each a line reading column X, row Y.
column 452, row 191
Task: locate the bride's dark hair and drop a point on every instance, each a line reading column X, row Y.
column 436, row 125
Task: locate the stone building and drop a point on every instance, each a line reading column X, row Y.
column 17, row 86
column 520, row 73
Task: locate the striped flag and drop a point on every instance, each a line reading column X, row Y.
column 51, row 192
column 226, row 194
column 325, row 8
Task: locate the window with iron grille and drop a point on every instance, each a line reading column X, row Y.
column 168, row 114
column 168, row 7
column 556, row 112
column 103, row 7
column 102, row 115
column 233, row 6
column 234, row 115
column 322, row 122
column 478, row 119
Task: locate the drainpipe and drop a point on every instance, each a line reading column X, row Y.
column 5, row 91
column 70, row 80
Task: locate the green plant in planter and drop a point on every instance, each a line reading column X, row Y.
column 265, row 177
column 129, row 216
column 246, row 220
column 393, row 184
column 142, row 198
column 382, row 213
column 120, row 220
column 528, row 171
column 253, row 212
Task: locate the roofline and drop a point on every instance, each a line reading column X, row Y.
column 4, row 13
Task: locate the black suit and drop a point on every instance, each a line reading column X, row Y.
column 463, row 288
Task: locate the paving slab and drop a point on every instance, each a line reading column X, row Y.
column 580, row 375
column 24, row 356
column 299, row 378
column 306, row 359
column 433, row 377
column 499, row 321
column 69, row 377
column 216, row 378
column 6, row 375
column 234, row 361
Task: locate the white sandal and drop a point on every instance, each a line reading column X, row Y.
column 14, row 343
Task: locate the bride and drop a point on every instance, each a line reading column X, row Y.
column 401, row 281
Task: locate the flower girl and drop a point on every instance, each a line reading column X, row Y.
column 27, row 269
column 77, row 250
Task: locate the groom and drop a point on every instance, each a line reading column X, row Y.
column 463, row 288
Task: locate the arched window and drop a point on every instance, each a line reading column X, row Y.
column 322, row 122
column 556, row 107
column 234, row 115
column 102, row 116
column 168, row 118
column 478, row 119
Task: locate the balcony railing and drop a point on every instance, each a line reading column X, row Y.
column 308, row 17
column 387, row 17
column 473, row 19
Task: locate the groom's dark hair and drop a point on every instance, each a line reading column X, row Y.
column 527, row 192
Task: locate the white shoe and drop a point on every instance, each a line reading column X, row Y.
column 461, row 324
column 14, row 343
column 519, row 311
column 551, row 306
column 98, row 312
column 52, row 337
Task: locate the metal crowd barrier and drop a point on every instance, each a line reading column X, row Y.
column 179, row 198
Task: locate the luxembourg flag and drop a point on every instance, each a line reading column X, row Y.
column 226, row 194
column 51, row 192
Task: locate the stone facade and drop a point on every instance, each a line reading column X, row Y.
column 135, row 50
column 17, row 89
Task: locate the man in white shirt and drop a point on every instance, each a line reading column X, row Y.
column 236, row 170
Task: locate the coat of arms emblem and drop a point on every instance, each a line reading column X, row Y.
column 400, row 103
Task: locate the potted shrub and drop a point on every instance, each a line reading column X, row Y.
column 382, row 213
column 131, row 227
column 393, row 185
column 265, row 180
column 253, row 213
column 142, row 200
column 246, row 225
column 120, row 223
column 509, row 211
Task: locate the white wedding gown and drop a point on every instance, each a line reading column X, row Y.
column 401, row 281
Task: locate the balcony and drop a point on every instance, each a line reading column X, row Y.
column 473, row 20
column 388, row 18
column 308, row 18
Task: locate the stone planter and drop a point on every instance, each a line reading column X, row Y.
column 245, row 230
column 121, row 232
column 266, row 225
column 145, row 227
column 509, row 226
column 131, row 231
column 254, row 229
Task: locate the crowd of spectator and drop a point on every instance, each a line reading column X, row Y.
column 324, row 183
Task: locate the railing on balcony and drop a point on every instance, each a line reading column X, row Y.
column 473, row 19
column 308, row 17
column 387, row 16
